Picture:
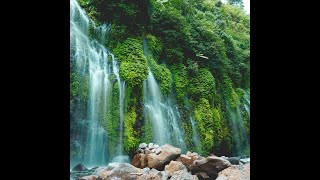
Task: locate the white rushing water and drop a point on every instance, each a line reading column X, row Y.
column 195, row 137
column 164, row 116
column 121, row 86
column 162, row 112
column 91, row 60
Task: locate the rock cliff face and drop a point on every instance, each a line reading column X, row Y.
column 166, row 162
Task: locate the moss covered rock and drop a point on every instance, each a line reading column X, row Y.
column 204, row 118
column 202, row 85
column 162, row 74
column 133, row 64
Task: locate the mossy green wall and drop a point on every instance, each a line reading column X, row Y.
column 199, row 52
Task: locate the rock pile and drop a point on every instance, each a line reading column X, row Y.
column 158, row 158
column 154, row 162
column 239, row 172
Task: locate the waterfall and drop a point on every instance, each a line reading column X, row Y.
column 152, row 108
column 236, row 122
column 121, row 85
column 162, row 112
column 90, row 62
column 195, row 136
column 247, row 102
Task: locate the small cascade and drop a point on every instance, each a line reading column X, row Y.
column 247, row 102
column 121, row 86
column 237, row 123
column 195, row 137
column 162, row 112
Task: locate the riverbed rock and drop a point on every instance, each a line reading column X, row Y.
column 211, row 165
column 185, row 160
column 182, row 175
column 157, row 161
column 100, row 169
column 79, row 167
column 238, row 172
column 158, row 151
column 153, row 174
column 202, row 176
column 140, row 160
column 91, row 177
column 177, row 171
column 147, row 151
column 189, row 158
column 150, row 146
column 233, row 160
column 142, row 145
column 245, row 160
column 188, row 153
column 175, row 166
column 120, row 171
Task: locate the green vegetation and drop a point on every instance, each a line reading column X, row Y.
column 198, row 49
column 201, row 85
column 162, row 75
column 133, row 64
column 130, row 135
column 204, row 118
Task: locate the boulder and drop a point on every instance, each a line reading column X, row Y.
column 188, row 153
column 211, row 165
column 178, row 171
column 79, row 174
column 153, row 174
column 183, row 176
column 142, row 146
column 157, row 161
column 120, row 171
column 233, row 160
column 150, row 146
column 186, row 160
column 194, row 154
column 174, row 166
column 147, row 151
column 158, row 151
column 239, row 172
column 140, row 161
column 79, row 167
column 92, row 177
column 146, row 169
column 245, row 160
column 100, row 169
column 202, row 176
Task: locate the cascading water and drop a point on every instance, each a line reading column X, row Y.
column 163, row 114
column 89, row 63
column 236, row 121
column 121, row 85
column 152, row 107
column 195, row 136
column 247, row 102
